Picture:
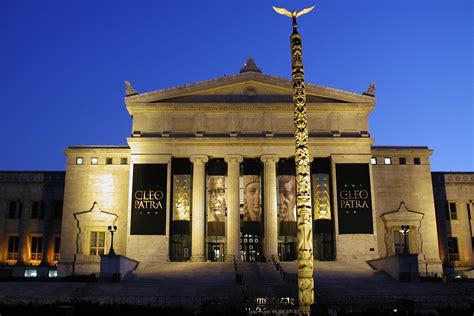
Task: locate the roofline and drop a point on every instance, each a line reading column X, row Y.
column 99, row 147
column 451, row 172
column 31, row 171
column 250, row 75
column 400, row 147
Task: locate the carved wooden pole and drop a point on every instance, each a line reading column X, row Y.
column 303, row 180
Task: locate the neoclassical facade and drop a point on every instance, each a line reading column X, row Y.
column 209, row 174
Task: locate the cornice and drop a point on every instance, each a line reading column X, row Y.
column 246, row 107
column 254, row 141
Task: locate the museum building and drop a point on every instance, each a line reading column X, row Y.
column 209, row 175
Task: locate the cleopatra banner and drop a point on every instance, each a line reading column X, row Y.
column 354, row 199
column 149, row 199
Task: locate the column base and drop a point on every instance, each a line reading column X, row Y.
column 198, row 258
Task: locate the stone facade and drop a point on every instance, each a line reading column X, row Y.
column 454, row 201
column 234, row 131
column 31, row 205
column 236, row 119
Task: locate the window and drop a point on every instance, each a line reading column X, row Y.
column 97, row 243
column 31, row 273
column 79, row 160
column 57, row 245
column 58, row 210
column 36, row 248
column 417, row 161
column 373, row 161
column 13, row 242
column 108, row 161
column 12, row 210
column 402, row 160
column 452, row 211
column 399, row 242
column 37, row 210
column 123, row 161
column 53, row 273
column 387, row 160
column 453, row 252
column 94, row 161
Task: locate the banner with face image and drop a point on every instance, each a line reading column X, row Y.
column 287, row 198
column 252, row 206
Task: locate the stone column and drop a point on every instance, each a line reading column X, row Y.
column 233, row 207
column 198, row 208
column 270, row 206
column 23, row 251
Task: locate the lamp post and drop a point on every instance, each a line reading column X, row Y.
column 405, row 229
column 112, row 230
column 303, row 181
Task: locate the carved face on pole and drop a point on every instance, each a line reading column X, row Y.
column 287, row 210
column 217, row 203
column 252, row 211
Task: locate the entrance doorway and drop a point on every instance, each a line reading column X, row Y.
column 250, row 248
column 180, row 247
column 215, row 251
column 287, row 251
column 323, row 246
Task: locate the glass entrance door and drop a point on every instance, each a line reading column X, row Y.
column 215, row 251
column 179, row 248
column 323, row 247
column 287, row 251
column 250, row 248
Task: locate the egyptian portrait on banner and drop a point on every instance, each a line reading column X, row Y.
column 181, row 197
column 321, row 197
column 252, row 207
column 287, row 197
column 216, row 199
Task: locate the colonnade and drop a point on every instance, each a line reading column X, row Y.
column 233, row 212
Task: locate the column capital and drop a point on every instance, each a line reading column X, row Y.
column 199, row 158
column 233, row 158
column 270, row 158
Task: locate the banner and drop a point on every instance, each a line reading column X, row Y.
column 149, row 199
column 252, row 207
column 354, row 199
column 321, row 197
column 181, row 197
column 217, row 205
column 287, row 197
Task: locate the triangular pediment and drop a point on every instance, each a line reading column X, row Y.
column 245, row 88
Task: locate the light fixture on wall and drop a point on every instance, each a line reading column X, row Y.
column 112, row 230
column 404, row 230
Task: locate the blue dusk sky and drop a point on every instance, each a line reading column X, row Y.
column 64, row 64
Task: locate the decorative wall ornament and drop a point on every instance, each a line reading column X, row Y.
column 129, row 89
column 370, row 90
column 403, row 216
column 95, row 217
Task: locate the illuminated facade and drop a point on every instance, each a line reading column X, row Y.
column 209, row 174
column 30, row 222
column 454, row 201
